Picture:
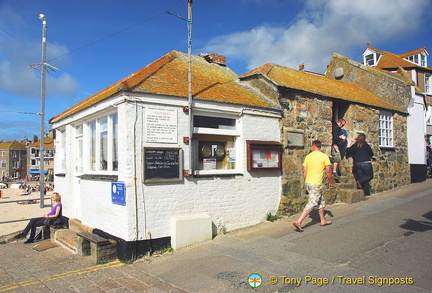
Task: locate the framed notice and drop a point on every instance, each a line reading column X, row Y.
column 264, row 155
column 160, row 125
column 163, row 164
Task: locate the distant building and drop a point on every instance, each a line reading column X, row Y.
column 33, row 161
column 13, row 160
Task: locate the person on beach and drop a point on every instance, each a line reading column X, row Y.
column 314, row 166
column 55, row 213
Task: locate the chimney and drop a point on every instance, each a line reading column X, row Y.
column 214, row 58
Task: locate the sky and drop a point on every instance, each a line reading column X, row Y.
column 95, row 43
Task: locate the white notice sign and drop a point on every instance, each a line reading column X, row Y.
column 161, row 125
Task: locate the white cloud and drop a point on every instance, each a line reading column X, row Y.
column 18, row 52
column 321, row 29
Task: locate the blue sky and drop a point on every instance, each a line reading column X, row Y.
column 96, row 43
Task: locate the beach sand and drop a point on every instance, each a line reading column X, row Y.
column 14, row 214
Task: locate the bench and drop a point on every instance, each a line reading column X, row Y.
column 100, row 248
column 48, row 231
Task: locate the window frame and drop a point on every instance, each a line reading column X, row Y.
column 227, row 135
column 89, row 146
column 254, row 147
column 386, row 129
column 428, row 83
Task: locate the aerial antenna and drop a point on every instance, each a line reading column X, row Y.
column 44, row 66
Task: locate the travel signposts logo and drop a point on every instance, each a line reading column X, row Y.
column 254, row 280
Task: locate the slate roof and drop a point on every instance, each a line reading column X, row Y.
column 48, row 143
column 168, row 76
column 12, row 145
column 320, row 85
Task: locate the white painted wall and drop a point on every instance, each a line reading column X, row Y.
column 416, row 130
column 232, row 202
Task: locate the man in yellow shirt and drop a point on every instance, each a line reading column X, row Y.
column 314, row 166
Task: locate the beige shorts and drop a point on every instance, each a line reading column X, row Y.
column 316, row 198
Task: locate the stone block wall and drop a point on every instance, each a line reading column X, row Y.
column 312, row 116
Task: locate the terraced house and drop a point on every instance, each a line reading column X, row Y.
column 13, row 160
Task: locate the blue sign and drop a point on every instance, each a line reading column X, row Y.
column 118, row 193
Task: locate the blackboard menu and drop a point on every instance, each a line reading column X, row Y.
column 162, row 164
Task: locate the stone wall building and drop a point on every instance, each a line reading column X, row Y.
column 12, row 160
column 311, row 102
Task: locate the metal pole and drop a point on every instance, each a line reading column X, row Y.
column 42, row 114
column 190, row 85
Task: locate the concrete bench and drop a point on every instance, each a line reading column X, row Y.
column 100, row 248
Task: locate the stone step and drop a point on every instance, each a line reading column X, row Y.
column 350, row 195
column 67, row 239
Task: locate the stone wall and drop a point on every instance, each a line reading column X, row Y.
column 312, row 116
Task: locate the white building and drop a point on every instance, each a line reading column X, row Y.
column 126, row 166
column 413, row 67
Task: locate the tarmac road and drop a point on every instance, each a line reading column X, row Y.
column 382, row 244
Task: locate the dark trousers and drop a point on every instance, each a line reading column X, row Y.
column 31, row 226
column 363, row 173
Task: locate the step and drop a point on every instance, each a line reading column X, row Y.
column 67, row 239
column 350, row 195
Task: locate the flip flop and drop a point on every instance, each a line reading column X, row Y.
column 326, row 224
column 297, row 227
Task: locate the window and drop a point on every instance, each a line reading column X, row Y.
column 423, row 60
column 215, row 144
column 79, row 148
column 32, row 162
column 371, row 59
column 428, row 85
column 96, row 145
column 3, row 164
column 386, row 129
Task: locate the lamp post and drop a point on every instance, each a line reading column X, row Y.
column 42, row 114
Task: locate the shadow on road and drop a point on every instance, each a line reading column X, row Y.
column 419, row 226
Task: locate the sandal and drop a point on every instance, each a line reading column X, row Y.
column 298, row 227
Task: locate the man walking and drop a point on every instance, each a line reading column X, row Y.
column 314, row 166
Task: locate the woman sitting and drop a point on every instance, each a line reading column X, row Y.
column 56, row 212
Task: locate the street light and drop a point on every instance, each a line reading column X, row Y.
column 42, row 114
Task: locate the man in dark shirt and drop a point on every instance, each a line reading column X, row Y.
column 339, row 143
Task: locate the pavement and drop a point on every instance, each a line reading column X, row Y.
column 280, row 256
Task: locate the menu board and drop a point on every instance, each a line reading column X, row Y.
column 163, row 164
